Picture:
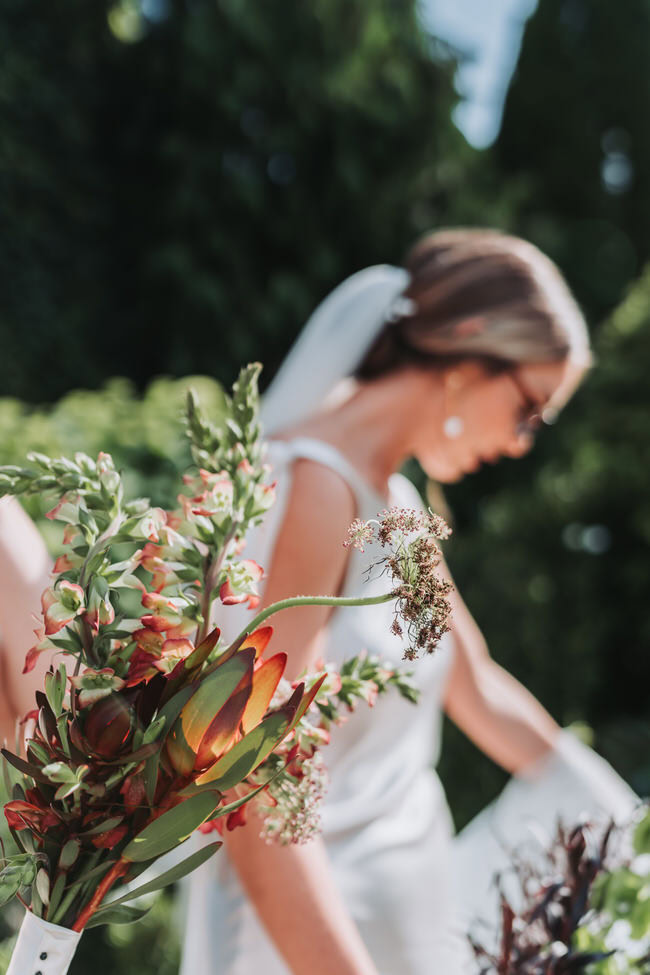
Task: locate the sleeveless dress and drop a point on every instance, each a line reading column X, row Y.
column 385, row 821
column 412, row 891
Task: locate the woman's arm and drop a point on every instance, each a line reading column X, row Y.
column 292, row 887
column 25, row 568
column 489, row 704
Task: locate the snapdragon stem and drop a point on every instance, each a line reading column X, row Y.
column 311, row 601
column 211, row 577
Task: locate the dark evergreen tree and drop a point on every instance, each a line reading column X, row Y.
column 575, row 142
column 180, row 203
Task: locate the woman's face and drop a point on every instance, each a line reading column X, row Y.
column 497, row 415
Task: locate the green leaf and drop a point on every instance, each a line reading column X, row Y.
column 57, row 893
column 19, row 872
column 200, row 711
column 98, row 871
column 103, row 827
column 54, row 690
column 43, row 885
column 642, row 835
column 69, row 854
column 117, row 915
column 26, row 767
column 170, row 876
column 248, row 753
column 173, row 827
column 145, row 751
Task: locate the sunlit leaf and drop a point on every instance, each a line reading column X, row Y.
column 265, row 682
column 173, row 827
column 170, row 876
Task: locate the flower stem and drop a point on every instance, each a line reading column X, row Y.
column 117, row 870
column 210, row 582
column 312, row 601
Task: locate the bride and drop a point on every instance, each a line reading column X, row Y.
column 455, row 359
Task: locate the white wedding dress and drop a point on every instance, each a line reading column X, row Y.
column 412, row 890
column 385, row 820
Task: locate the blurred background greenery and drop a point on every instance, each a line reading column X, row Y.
column 183, row 180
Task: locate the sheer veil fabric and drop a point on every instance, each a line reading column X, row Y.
column 332, row 344
column 411, row 888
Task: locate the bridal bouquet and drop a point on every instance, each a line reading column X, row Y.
column 157, row 727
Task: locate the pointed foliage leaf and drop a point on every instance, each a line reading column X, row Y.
column 265, row 682
column 170, row 876
column 259, row 639
column 117, row 915
column 198, row 714
column 308, row 699
column 248, row 753
column 225, row 725
column 173, row 827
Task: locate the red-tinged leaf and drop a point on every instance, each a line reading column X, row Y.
column 30, row 716
column 259, row 639
column 25, row 815
column 307, row 699
column 203, row 651
column 172, row 827
column 211, row 696
column 109, row 839
column 294, row 701
column 224, row 727
column 26, row 767
column 186, row 735
column 77, row 738
column 31, row 657
column 265, row 682
column 141, row 667
column 47, row 723
column 237, row 818
column 244, row 757
column 108, row 725
column 133, row 791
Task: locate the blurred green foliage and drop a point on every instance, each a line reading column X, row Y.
column 191, row 196
column 574, row 145
column 143, row 433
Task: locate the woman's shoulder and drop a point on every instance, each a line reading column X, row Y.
column 315, row 482
column 320, row 499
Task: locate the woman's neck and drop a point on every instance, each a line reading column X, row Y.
column 370, row 428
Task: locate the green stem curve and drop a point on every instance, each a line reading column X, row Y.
column 311, row 601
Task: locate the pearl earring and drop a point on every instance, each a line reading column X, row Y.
column 453, row 427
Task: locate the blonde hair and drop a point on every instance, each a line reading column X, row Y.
column 479, row 293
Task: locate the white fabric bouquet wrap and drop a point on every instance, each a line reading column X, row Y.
column 42, row 948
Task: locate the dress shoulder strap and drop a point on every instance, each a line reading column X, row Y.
column 369, row 501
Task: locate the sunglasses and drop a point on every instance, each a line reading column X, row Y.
column 531, row 416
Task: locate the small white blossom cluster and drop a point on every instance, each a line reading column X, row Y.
column 294, row 817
